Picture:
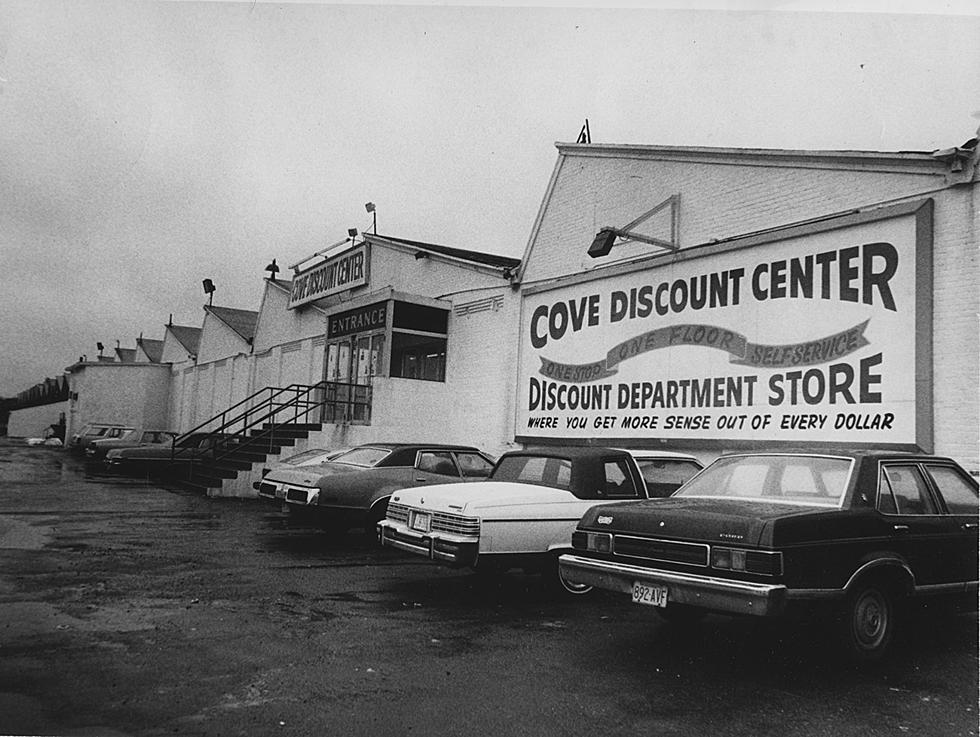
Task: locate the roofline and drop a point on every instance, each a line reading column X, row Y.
column 883, row 161
column 435, row 250
column 114, row 364
column 210, row 309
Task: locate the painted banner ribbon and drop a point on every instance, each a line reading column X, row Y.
column 740, row 350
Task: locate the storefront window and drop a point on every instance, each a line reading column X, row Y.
column 418, row 357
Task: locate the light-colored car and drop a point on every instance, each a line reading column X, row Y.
column 79, row 441
column 523, row 516
column 97, row 449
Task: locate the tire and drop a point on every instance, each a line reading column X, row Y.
column 868, row 621
column 564, row 586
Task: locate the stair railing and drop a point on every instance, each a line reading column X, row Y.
column 345, row 402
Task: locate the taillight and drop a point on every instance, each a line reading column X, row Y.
column 767, row 563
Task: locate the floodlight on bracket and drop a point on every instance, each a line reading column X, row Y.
column 605, row 239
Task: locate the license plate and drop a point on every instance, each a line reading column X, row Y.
column 420, row 521
column 649, row 595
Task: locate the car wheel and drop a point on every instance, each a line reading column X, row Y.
column 566, row 586
column 869, row 621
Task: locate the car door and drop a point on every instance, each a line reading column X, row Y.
column 958, row 492
column 920, row 531
column 435, row 467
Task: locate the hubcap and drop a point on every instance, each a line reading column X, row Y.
column 870, row 619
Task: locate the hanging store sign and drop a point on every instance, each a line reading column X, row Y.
column 338, row 273
column 820, row 336
column 363, row 319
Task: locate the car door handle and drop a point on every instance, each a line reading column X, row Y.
column 421, row 479
column 969, row 525
column 901, row 528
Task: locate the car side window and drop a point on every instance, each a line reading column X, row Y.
column 958, row 491
column 437, row 463
column 908, row 489
column 618, row 481
column 473, row 465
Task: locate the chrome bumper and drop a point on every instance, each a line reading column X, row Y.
column 706, row 592
column 457, row 553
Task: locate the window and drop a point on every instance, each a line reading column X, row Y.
column 664, row 477
column 618, row 482
column 908, row 491
column 418, row 357
column 958, row 491
column 474, row 465
column 438, row 463
column 418, row 342
column 540, row 470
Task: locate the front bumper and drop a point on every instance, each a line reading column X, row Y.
column 457, row 552
column 706, row 592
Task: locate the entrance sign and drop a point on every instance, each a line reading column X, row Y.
column 816, row 333
column 338, row 273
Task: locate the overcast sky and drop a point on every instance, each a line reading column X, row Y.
column 146, row 146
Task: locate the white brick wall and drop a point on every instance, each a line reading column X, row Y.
column 723, row 200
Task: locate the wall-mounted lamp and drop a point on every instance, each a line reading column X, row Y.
column 209, row 290
column 273, row 269
column 369, row 206
column 100, row 347
column 605, row 239
column 419, row 255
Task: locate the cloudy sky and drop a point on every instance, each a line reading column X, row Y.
column 146, row 146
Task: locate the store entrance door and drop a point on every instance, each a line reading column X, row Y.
column 350, row 364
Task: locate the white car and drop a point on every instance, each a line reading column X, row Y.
column 523, row 516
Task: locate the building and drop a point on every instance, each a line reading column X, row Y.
column 714, row 299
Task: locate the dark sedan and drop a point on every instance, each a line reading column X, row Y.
column 353, row 489
column 168, row 457
column 765, row 534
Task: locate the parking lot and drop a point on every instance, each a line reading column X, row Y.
column 128, row 608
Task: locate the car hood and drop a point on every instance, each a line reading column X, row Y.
column 478, row 497
column 693, row 519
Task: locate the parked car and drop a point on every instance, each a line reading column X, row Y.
column 767, row 534
column 97, row 449
column 353, row 489
column 524, row 514
column 663, row 471
column 272, row 489
column 167, row 458
column 79, row 441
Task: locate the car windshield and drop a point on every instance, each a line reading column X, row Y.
column 130, row 435
column 366, row 456
column 792, row 479
column 539, row 470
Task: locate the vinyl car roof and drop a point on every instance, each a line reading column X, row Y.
column 569, row 451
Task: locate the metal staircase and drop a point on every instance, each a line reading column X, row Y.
column 262, row 425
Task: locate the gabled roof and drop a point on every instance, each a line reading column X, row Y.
column 126, row 355
column 241, row 321
column 152, row 348
column 283, row 284
column 187, row 336
column 487, row 259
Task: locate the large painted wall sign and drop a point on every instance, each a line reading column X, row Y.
column 818, row 334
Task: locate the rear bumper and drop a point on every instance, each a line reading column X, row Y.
column 706, row 592
column 455, row 552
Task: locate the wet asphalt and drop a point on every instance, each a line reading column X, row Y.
column 131, row 608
